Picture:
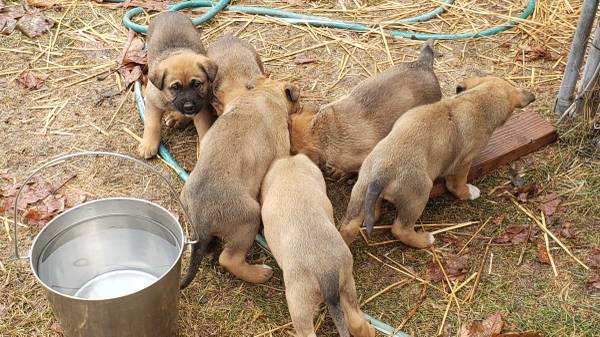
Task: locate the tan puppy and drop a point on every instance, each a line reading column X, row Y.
column 436, row 140
column 316, row 263
column 221, row 194
column 343, row 133
column 180, row 77
column 239, row 65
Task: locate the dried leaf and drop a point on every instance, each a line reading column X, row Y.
column 594, row 279
column 131, row 60
column 54, row 203
column 5, row 204
column 566, row 230
column 499, row 219
column 550, row 205
column 516, row 234
column 130, row 75
column 491, row 326
column 74, row 198
column 135, row 53
column 595, row 258
column 534, row 53
column 32, row 80
column 11, row 12
column 520, row 334
column 7, row 25
column 304, row 59
column 43, row 3
column 34, row 24
column 526, row 192
column 455, row 267
column 542, row 254
column 37, row 215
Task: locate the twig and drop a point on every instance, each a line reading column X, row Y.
column 473, row 236
column 274, row 329
column 460, row 225
column 384, row 290
column 548, row 245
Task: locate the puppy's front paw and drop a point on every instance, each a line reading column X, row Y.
column 147, row 150
column 474, row 192
column 261, row 273
column 177, row 120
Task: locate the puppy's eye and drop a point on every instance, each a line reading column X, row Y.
column 175, row 86
column 196, row 83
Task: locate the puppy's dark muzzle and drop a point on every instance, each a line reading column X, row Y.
column 189, row 108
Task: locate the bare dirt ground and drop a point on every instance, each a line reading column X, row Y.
column 79, row 108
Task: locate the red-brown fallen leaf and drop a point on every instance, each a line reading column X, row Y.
column 5, row 204
column 526, row 192
column 516, row 234
column 131, row 60
column 542, row 254
column 595, row 258
column 549, row 205
column 55, row 203
column 34, row 24
column 491, row 326
column 43, row 3
column 151, row 5
column 594, row 279
column 74, row 197
column 7, row 25
column 37, row 215
column 11, row 12
column 32, row 80
column 455, row 267
column 534, row 53
column 304, row 59
column 499, row 219
column 566, row 230
column 519, row 334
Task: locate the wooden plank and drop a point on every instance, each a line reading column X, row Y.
column 522, row 134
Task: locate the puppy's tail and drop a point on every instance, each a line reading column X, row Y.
column 197, row 252
column 427, row 53
column 330, row 288
column 374, row 190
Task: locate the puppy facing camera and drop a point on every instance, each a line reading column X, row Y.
column 180, row 77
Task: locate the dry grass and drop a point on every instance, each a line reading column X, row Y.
column 75, row 111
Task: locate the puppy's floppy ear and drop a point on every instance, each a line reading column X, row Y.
column 525, row 98
column 209, row 67
column 157, row 76
column 292, row 92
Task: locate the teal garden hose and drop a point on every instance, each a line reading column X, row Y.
column 295, row 18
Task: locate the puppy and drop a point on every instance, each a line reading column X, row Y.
column 180, row 77
column 316, row 263
column 436, row 140
column 343, row 133
column 239, row 66
column 221, row 194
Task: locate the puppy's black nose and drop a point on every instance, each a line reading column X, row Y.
column 189, row 107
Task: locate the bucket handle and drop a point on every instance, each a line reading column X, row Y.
column 63, row 158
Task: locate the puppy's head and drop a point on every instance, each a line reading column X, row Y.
column 185, row 80
column 301, row 140
column 517, row 97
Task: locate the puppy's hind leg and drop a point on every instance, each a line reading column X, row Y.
column 457, row 184
column 238, row 241
column 354, row 217
column 355, row 320
column 410, row 206
column 302, row 309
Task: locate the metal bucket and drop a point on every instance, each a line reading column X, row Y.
column 111, row 267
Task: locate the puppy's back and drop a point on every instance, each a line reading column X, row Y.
column 298, row 217
column 172, row 30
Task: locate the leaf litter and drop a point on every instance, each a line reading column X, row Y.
column 32, row 80
column 455, row 267
column 133, row 59
column 517, row 234
column 492, row 327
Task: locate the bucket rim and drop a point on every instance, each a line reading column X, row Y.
column 173, row 265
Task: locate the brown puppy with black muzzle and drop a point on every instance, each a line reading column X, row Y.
column 436, row 140
column 344, row 132
column 316, row 263
column 180, row 77
column 239, row 66
column 221, row 194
